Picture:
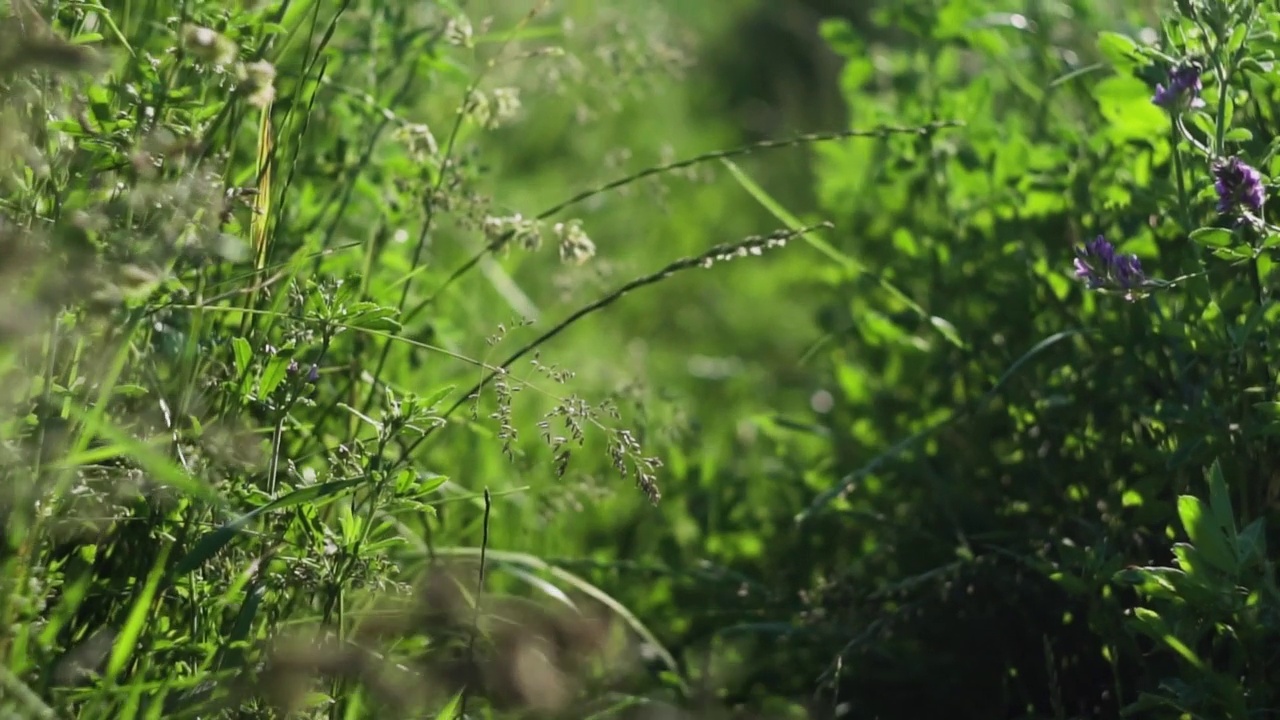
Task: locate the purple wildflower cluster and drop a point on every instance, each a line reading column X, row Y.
column 1183, row 90
column 313, row 372
column 1239, row 186
column 1102, row 268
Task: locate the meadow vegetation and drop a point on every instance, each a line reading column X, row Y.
column 606, row 359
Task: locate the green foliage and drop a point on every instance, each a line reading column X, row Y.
column 307, row 418
column 1052, row 474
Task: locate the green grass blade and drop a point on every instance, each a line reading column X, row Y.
column 127, row 641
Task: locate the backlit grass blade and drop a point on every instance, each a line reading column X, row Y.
column 258, row 228
column 127, row 641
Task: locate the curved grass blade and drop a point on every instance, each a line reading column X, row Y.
column 536, row 563
column 542, row 586
column 127, row 642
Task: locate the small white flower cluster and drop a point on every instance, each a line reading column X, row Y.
column 497, row 108
column 257, row 79
column 753, row 246
column 572, row 241
column 575, row 247
column 419, row 139
column 513, row 229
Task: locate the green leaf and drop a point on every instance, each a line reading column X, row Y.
column 436, row 396
column 273, row 375
column 1120, row 50
column 1205, row 534
column 1239, row 135
column 1151, row 624
column 1191, row 562
column 412, row 484
column 1238, row 34
column 369, row 316
column 841, row 37
column 1213, row 237
column 1269, row 411
column 1239, row 252
column 234, row 648
column 244, row 355
column 1159, row 582
column 1220, row 503
column 1070, row 583
column 130, row 391
column 1125, row 102
column 1251, row 545
column 450, row 710
column 1203, row 121
column 1197, row 585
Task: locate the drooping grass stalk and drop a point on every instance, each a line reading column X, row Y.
column 797, row 140
column 750, row 246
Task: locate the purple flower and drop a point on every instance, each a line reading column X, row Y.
column 1102, row 268
column 1238, row 185
column 1183, row 90
column 313, row 375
